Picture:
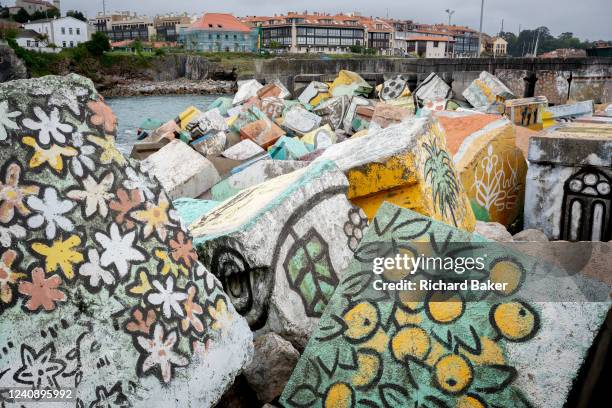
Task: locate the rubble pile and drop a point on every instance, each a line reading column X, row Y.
column 260, row 217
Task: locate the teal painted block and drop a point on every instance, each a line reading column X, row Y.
column 223, row 103
column 190, row 209
column 288, row 148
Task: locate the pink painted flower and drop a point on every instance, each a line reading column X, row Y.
column 42, row 291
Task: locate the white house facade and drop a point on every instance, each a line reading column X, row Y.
column 65, row 32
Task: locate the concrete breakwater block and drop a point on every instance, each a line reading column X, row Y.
column 332, row 111
column 279, row 247
column 569, row 183
column 386, row 115
column 433, row 88
column 487, row 90
column 264, row 132
column 351, row 113
column 349, row 83
column 407, row 164
column 182, row 171
column 190, row 209
column 101, row 290
column 243, row 150
column 314, row 94
column 246, row 90
column 393, row 348
column 490, row 165
column 299, row 121
column 527, row 112
column 254, row 174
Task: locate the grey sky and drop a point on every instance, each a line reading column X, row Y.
column 587, row 19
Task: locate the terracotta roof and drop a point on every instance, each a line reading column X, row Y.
column 220, row 22
column 429, row 38
column 320, row 19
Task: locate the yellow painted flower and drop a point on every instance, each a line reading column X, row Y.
column 110, row 152
column 169, row 266
column 60, row 254
column 219, row 314
column 155, row 218
column 52, row 156
column 143, row 286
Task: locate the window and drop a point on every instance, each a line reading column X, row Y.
column 63, row 30
column 70, row 31
column 63, row 44
column 71, row 44
column 436, row 43
column 78, row 31
column 28, row 43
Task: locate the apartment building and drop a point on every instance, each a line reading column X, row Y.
column 120, row 26
column 216, row 32
column 64, row 32
column 167, row 27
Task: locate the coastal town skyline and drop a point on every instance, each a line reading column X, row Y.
column 586, row 22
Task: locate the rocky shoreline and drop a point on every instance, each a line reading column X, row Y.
column 174, row 87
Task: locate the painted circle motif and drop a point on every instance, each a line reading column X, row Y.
column 515, row 321
column 361, row 321
column 411, row 341
column 453, row 373
column 339, row 395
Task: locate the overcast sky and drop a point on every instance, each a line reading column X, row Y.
column 587, row 19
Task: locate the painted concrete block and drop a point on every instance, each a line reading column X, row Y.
column 432, row 88
column 514, row 79
column 394, row 89
column 407, row 164
column 223, row 103
column 243, row 150
column 190, row 209
column 288, row 148
column 463, row 79
column 554, row 85
column 280, row 247
column 300, row 121
column 246, row 89
column 258, row 172
column 356, row 101
column 527, row 112
column 213, row 143
column 155, row 141
column 349, row 83
column 554, row 115
column 490, row 165
column 487, row 90
column 569, row 183
column 102, row 291
column 208, row 121
column 314, row 94
column 182, row 171
column 274, row 89
column 320, row 138
column 264, row 132
column 332, row 111
column 273, row 106
column 404, row 348
column 386, row 115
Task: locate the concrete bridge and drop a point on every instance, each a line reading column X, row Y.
column 556, row 78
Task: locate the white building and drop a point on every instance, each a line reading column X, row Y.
column 32, row 6
column 33, row 41
column 65, row 32
column 428, row 46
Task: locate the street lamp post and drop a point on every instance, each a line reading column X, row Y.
column 450, row 14
column 480, row 30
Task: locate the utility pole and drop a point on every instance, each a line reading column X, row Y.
column 502, row 27
column 480, row 31
column 450, row 14
column 535, row 49
column 104, row 7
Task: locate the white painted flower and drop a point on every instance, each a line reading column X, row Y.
column 82, row 160
column 118, row 249
column 161, row 353
column 8, row 233
column 49, row 126
column 95, row 271
column 50, row 210
column 95, row 194
column 140, row 182
column 6, row 121
column 167, row 297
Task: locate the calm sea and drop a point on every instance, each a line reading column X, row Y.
column 132, row 111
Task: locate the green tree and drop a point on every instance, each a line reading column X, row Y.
column 40, row 15
column 22, row 16
column 76, row 14
column 98, row 44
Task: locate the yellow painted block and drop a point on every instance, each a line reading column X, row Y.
column 407, row 196
column 374, row 177
column 187, row 116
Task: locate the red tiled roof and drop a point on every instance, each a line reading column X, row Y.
column 220, row 22
column 429, row 38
